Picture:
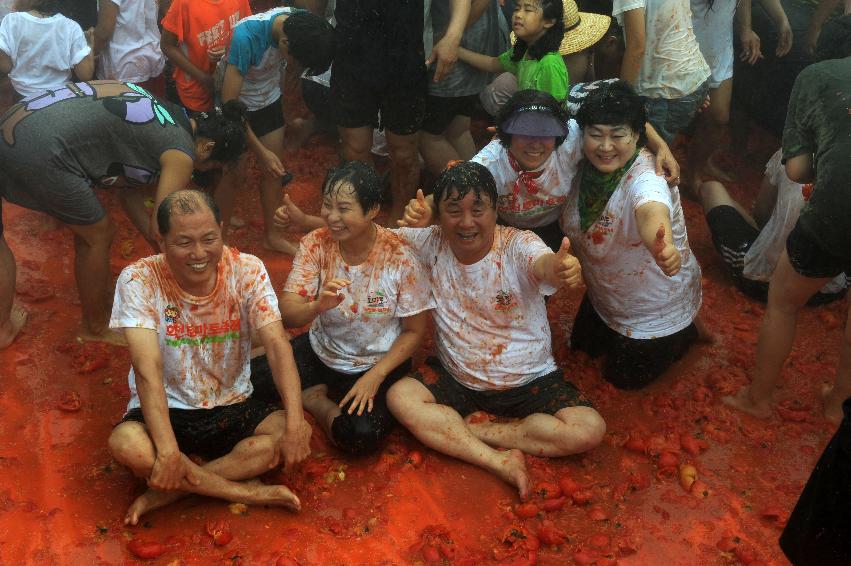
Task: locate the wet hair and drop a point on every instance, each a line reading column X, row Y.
column 614, row 104
column 365, row 182
column 311, row 41
column 185, row 201
column 225, row 126
column 834, row 41
column 47, row 7
column 457, row 180
column 525, row 98
column 551, row 40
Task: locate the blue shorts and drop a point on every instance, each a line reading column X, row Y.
column 670, row 116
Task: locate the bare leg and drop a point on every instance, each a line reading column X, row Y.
column 787, row 293
column 404, row 172
column 12, row 316
column 455, row 143
column 94, row 280
column 271, row 195
column 356, row 143
column 132, row 447
column 324, row 410
column 708, row 134
column 133, row 203
column 834, row 396
column 572, row 430
column 442, row 428
column 299, row 131
column 713, row 194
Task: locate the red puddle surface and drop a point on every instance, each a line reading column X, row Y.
column 62, row 498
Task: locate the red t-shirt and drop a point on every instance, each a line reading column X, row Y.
column 200, row 25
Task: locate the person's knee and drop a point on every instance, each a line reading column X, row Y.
column 357, row 435
column 356, row 144
column 97, row 235
column 587, row 429
column 402, row 395
column 130, row 445
column 403, row 150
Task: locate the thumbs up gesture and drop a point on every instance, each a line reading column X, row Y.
column 289, row 216
column 666, row 255
column 418, row 213
column 566, row 268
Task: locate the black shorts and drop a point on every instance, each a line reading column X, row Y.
column 810, row 259
column 733, row 236
column 317, row 98
column 440, row 111
column 630, row 363
column 357, row 102
column 547, row 394
column 351, row 433
column 211, row 433
column 267, row 119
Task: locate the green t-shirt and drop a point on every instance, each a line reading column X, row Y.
column 547, row 74
column 819, row 122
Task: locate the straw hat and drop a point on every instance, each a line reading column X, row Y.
column 581, row 29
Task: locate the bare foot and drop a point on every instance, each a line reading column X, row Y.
column 275, row 495
column 108, row 336
column 148, row 501
column 278, row 243
column 17, row 320
column 832, row 406
column 512, row 470
column 743, row 402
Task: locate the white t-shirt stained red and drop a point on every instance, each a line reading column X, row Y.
column 627, row 289
column 491, row 318
column 516, row 205
column 389, row 285
column 205, row 341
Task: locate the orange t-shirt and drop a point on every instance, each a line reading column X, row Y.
column 200, row 25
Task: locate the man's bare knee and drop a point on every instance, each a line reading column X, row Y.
column 406, row 394
column 131, row 446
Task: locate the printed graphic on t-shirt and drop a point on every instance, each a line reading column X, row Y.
column 218, row 34
column 530, row 206
column 504, row 301
column 376, row 304
column 130, row 102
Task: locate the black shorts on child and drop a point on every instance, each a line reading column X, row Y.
column 547, row 394
column 266, row 119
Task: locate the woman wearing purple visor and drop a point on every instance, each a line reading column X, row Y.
column 534, row 158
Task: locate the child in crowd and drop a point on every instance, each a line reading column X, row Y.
column 589, row 41
column 39, row 48
column 127, row 43
column 194, row 37
column 534, row 59
column 662, row 61
column 254, row 75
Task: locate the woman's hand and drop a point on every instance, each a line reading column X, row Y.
column 667, row 166
column 330, row 296
column 362, row 394
column 418, row 213
column 271, row 164
column 666, row 255
column 751, row 52
column 289, row 216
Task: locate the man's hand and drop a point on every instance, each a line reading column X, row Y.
column 751, row 52
column 417, row 214
column 294, row 446
column 289, row 216
column 784, row 39
column 362, row 394
column 271, row 164
column 566, row 268
column 215, row 54
column 667, row 166
column 329, row 296
column 169, row 470
column 666, row 255
column 444, row 54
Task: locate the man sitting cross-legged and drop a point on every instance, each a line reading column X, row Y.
column 493, row 343
column 188, row 315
